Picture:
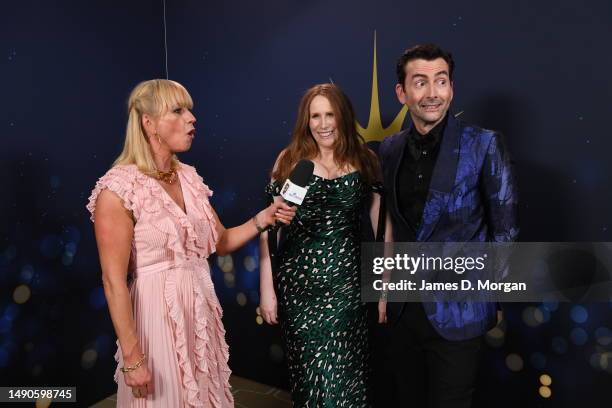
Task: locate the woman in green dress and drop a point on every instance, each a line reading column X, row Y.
column 314, row 292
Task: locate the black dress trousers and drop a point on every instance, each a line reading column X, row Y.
column 414, row 367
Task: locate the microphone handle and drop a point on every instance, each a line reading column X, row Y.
column 272, row 237
column 279, row 224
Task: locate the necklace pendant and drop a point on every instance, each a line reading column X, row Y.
column 167, row 176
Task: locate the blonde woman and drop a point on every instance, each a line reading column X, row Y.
column 154, row 222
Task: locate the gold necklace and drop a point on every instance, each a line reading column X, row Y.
column 167, row 176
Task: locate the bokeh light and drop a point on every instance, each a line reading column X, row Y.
column 21, row 294
column 514, row 362
column 603, row 336
column 70, row 249
column 601, row 361
column 545, row 380
column 545, row 392
column 241, row 299
column 579, row 314
column 532, row 316
column 11, row 312
column 226, row 263
column 495, row 337
column 605, row 361
column 542, row 315
column 550, row 306
column 594, row 361
column 259, row 320
column 67, row 259
column 89, row 358
column 27, row 272
column 249, row 263
column 230, row 279
column 579, row 336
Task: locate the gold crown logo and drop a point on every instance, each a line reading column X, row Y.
column 375, row 131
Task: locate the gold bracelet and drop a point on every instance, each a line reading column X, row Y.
column 135, row 366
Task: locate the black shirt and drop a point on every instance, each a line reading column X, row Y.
column 415, row 170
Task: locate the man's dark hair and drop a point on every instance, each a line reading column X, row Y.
column 428, row 52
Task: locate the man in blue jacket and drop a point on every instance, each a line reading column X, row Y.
column 445, row 181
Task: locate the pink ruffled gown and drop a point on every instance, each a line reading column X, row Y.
column 177, row 313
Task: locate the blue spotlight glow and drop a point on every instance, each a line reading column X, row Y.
column 550, row 306
column 27, row 272
column 579, row 336
column 11, row 312
column 579, row 314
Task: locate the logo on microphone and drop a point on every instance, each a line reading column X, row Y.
column 293, row 193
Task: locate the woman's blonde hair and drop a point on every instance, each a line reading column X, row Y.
column 154, row 97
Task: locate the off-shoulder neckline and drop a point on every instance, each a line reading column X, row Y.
column 336, row 178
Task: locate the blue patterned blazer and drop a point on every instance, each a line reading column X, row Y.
column 472, row 198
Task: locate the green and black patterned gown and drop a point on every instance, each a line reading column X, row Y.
column 317, row 285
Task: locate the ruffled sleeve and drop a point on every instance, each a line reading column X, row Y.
column 119, row 180
column 272, row 189
column 377, row 187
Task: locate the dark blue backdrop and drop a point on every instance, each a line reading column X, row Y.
column 538, row 71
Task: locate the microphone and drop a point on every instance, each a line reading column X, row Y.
column 294, row 190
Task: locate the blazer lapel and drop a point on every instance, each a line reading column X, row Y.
column 442, row 179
